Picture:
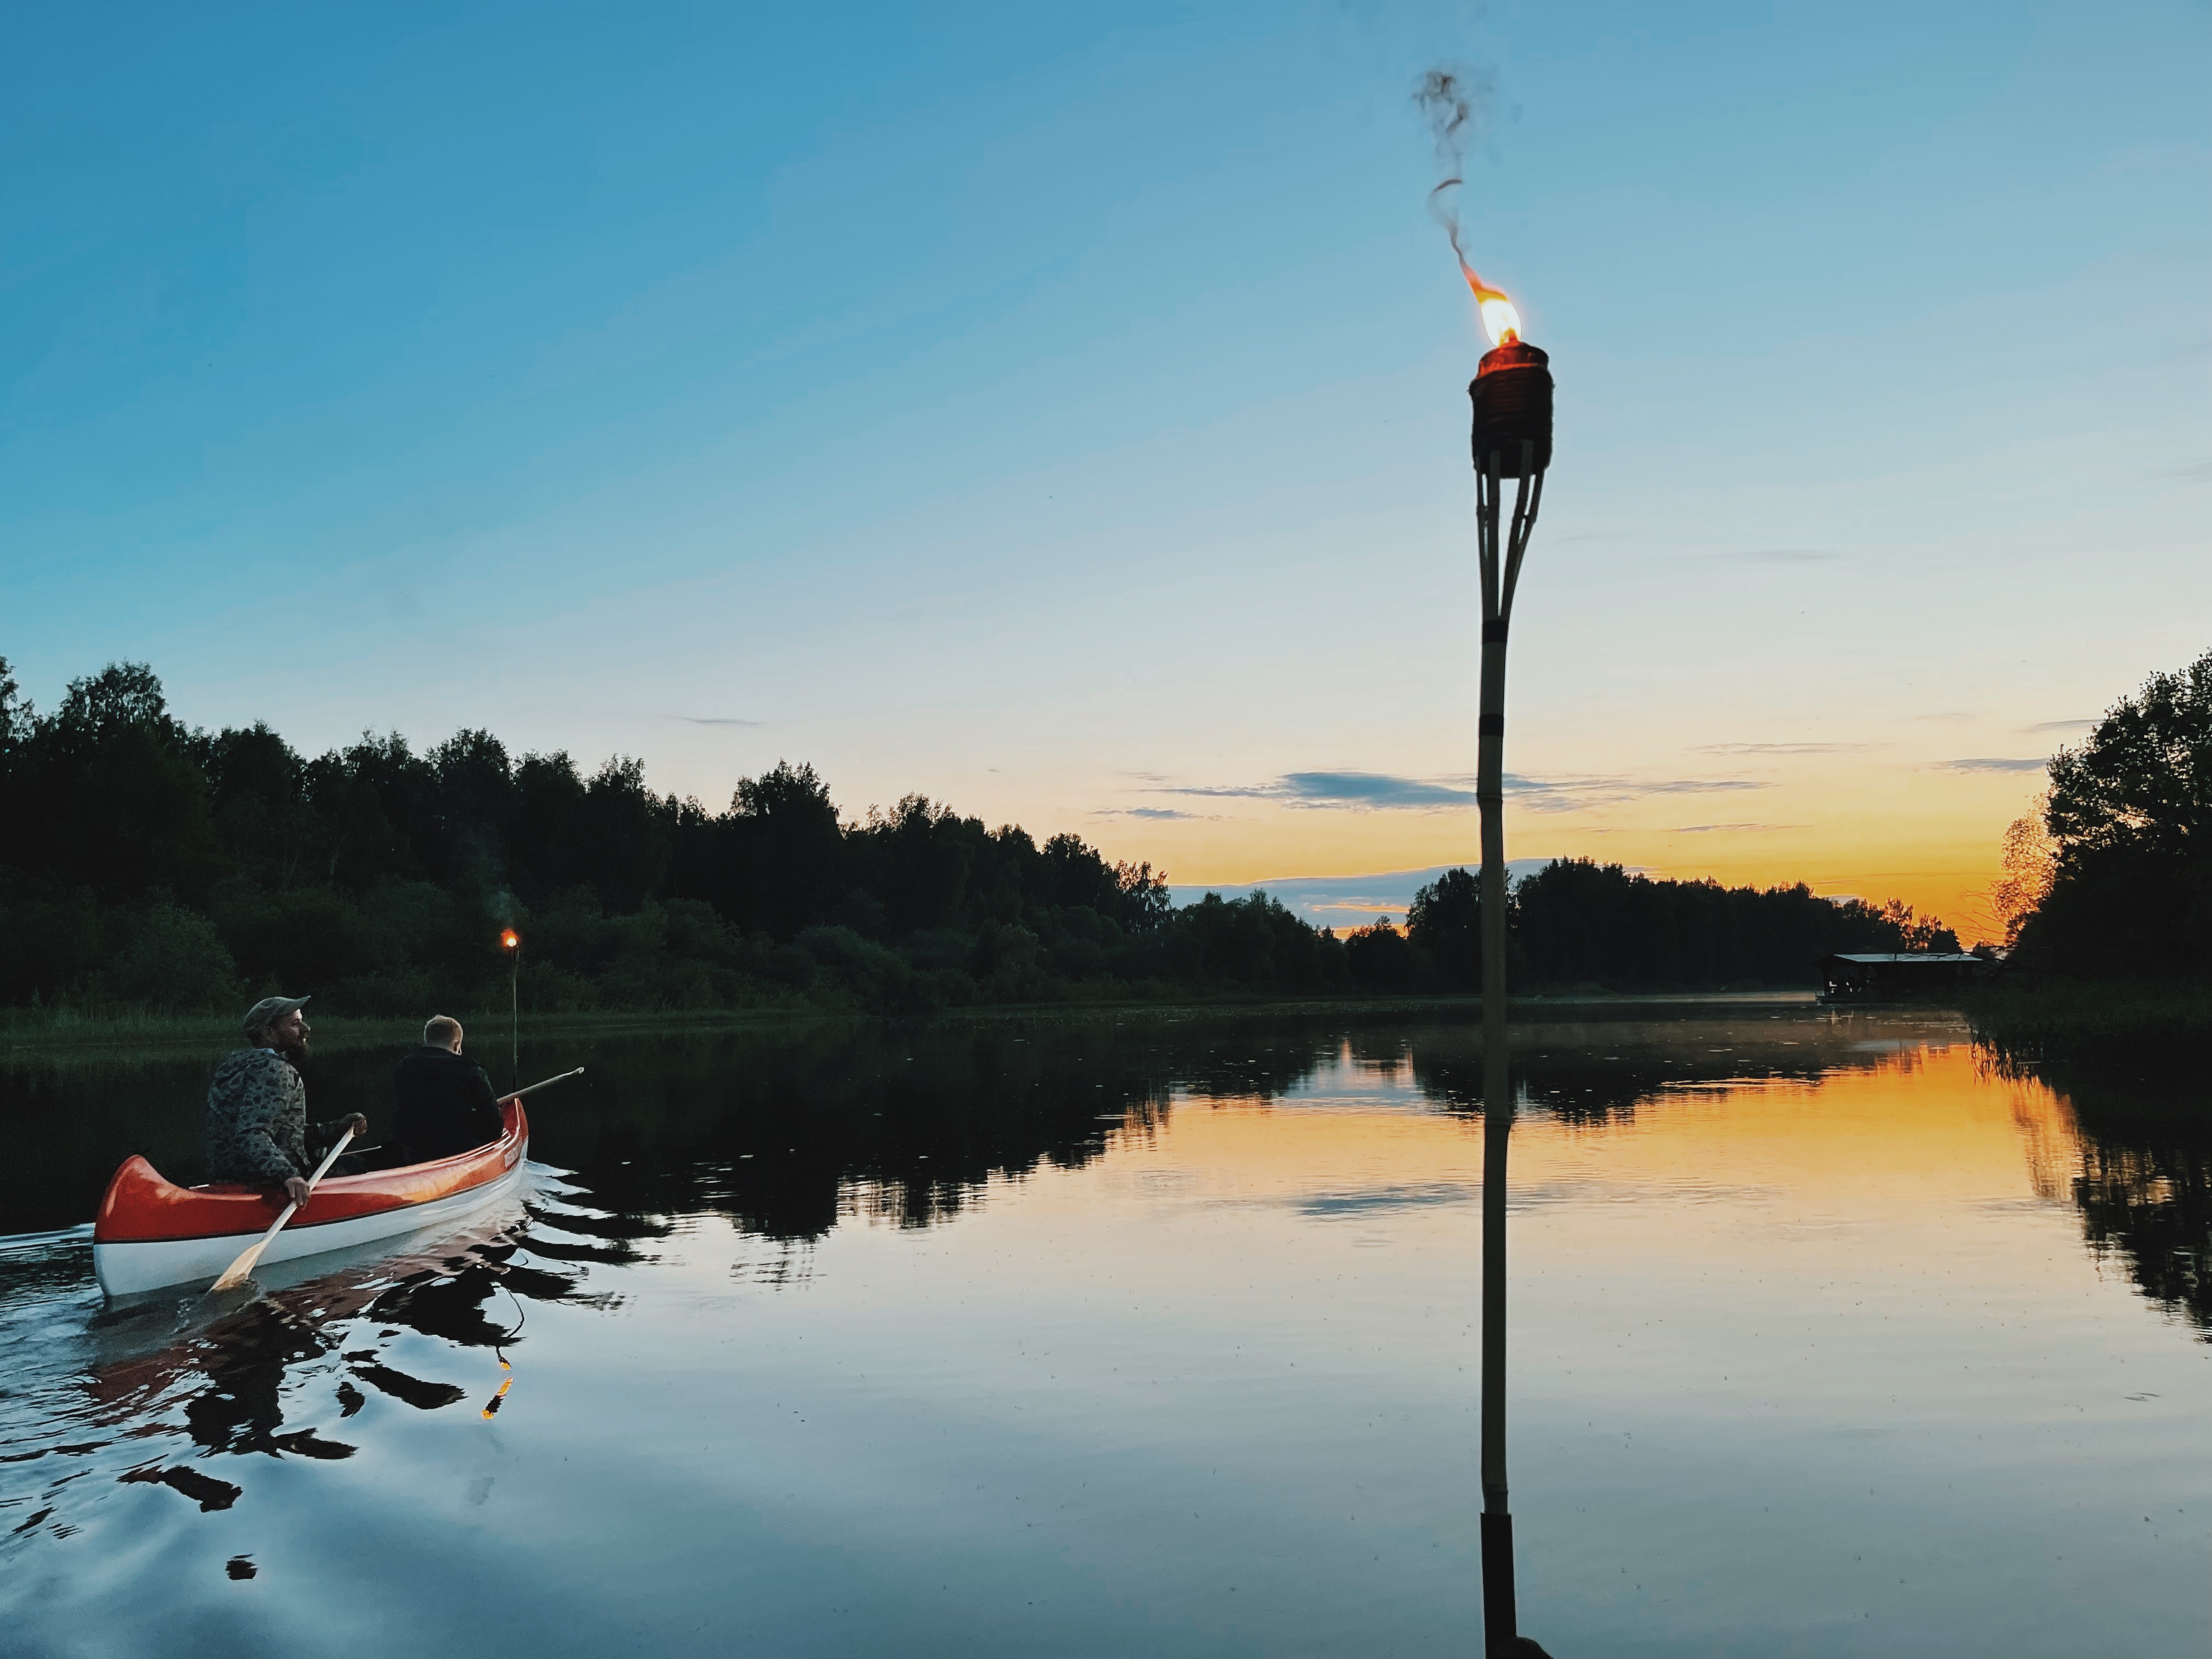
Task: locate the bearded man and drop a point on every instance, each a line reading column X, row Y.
column 257, row 1131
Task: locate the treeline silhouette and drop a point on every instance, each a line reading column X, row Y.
column 2127, row 891
column 151, row 866
column 1577, row 925
column 2107, row 897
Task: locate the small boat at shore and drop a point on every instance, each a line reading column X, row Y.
column 151, row 1233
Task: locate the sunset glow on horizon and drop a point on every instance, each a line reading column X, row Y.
column 1872, row 832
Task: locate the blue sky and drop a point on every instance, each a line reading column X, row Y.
column 1062, row 412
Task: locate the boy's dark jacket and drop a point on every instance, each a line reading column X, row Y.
column 446, row 1105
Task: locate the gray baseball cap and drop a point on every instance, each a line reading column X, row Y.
column 271, row 1008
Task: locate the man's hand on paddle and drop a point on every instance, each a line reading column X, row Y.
column 354, row 1123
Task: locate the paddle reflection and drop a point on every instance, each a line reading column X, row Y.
column 239, row 1408
column 276, row 1374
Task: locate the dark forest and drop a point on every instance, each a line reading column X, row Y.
column 149, row 866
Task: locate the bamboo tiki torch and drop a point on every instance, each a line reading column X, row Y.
column 1512, row 440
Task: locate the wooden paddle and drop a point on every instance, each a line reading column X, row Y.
column 242, row 1269
column 517, row 1094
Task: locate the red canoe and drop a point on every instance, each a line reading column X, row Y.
column 150, row 1232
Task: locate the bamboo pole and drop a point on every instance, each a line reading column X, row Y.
column 515, row 1011
column 1501, row 571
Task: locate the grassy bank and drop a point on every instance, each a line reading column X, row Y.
column 43, row 1031
column 26, row 1031
column 2136, row 1028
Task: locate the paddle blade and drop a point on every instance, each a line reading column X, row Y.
column 240, row 1270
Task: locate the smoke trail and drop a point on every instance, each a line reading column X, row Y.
column 1456, row 99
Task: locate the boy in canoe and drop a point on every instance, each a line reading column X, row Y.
column 446, row 1102
column 257, row 1131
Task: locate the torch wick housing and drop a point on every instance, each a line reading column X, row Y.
column 1512, row 396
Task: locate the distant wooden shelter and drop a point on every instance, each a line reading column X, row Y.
column 1901, row 975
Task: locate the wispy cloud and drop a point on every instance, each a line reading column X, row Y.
column 1992, row 763
column 1153, row 813
column 1618, row 789
column 1784, row 748
column 1578, row 794
column 1381, row 792
column 1373, row 789
column 1781, row 556
column 1733, row 829
column 715, row 719
column 1356, row 789
column 2057, row 725
column 1223, row 791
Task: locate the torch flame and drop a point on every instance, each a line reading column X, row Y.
column 1499, row 319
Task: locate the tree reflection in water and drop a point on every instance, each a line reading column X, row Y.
column 787, row 1135
column 2140, row 1171
column 2153, row 1205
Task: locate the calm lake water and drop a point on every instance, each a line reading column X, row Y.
column 1155, row 1336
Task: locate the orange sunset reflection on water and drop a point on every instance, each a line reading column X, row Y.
column 1914, row 1122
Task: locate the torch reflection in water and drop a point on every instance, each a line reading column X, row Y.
column 492, row 1405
